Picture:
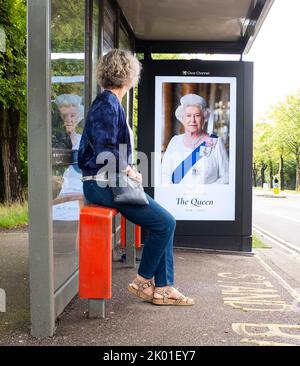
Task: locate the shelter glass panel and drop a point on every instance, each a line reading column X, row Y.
column 67, row 96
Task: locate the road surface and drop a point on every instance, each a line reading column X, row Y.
column 278, row 216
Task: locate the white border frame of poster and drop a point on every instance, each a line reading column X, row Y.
column 210, row 202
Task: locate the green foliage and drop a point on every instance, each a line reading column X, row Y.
column 169, row 56
column 286, row 117
column 165, row 56
column 258, row 244
column 67, row 36
column 13, row 60
column 13, row 69
column 290, row 173
column 278, row 135
column 23, row 148
column 67, row 67
column 67, row 26
column 263, row 136
column 287, row 124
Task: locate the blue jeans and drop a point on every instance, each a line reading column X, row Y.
column 157, row 257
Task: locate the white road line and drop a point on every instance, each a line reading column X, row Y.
column 292, row 291
column 275, row 214
column 281, row 242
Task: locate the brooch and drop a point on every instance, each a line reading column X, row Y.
column 205, row 151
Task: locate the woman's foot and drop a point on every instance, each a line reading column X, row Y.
column 142, row 288
column 169, row 295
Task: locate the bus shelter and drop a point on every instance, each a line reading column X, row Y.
column 65, row 40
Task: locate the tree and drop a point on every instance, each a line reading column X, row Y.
column 12, row 97
column 278, row 149
column 255, row 174
column 287, row 119
column 263, row 151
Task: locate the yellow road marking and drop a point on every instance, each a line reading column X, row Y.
column 258, row 296
column 267, row 331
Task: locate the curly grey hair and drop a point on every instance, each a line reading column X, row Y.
column 64, row 100
column 192, row 100
column 118, row 68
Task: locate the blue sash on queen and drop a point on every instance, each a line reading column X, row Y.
column 186, row 165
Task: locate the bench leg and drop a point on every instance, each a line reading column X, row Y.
column 96, row 308
column 130, row 245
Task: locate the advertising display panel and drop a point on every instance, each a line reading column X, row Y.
column 195, row 126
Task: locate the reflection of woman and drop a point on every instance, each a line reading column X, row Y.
column 67, row 207
column 194, row 157
column 71, row 111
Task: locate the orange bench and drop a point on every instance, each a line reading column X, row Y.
column 95, row 254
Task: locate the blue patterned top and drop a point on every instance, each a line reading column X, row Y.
column 105, row 129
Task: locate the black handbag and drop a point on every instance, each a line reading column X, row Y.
column 127, row 190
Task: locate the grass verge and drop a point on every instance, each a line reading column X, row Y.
column 13, row 216
column 258, row 244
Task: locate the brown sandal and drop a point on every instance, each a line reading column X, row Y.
column 139, row 292
column 166, row 300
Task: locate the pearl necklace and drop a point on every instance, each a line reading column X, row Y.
column 194, row 142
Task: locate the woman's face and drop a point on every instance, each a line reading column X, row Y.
column 70, row 116
column 193, row 119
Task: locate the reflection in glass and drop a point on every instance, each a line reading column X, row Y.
column 95, row 47
column 124, row 40
column 67, row 94
column 108, row 28
column 124, row 44
column 72, row 112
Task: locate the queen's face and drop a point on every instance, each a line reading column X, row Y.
column 193, row 119
column 70, row 116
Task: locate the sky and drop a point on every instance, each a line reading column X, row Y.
column 276, row 56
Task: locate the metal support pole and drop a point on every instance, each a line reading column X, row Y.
column 96, row 308
column 39, row 169
column 130, row 245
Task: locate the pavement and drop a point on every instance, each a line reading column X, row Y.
column 240, row 300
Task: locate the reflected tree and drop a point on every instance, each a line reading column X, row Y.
column 12, row 99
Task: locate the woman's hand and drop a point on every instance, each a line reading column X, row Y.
column 134, row 174
column 139, row 177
